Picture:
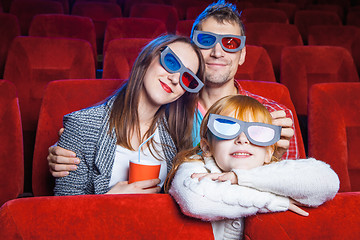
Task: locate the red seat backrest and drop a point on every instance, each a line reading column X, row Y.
column 303, row 66
column 25, row 10
column 133, row 28
column 334, row 130
column 257, row 65
column 66, row 26
column 11, row 144
column 121, row 55
column 60, row 98
column 9, row 29
column 273, row 37
column 165, row 13
column 122, row 216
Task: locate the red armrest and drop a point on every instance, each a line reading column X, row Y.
column 133, row 216
column 336, row 219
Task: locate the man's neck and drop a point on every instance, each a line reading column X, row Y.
column 210, row 94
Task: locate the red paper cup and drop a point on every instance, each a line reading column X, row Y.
column 140, row 171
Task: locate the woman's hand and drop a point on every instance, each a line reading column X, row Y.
column 294, row 208
column 225, row 176
column 146, row 186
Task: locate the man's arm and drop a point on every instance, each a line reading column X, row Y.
column 61, row 161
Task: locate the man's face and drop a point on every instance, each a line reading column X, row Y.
column 221, row 66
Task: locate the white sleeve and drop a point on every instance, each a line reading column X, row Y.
column 211, row 200
column 308, row 181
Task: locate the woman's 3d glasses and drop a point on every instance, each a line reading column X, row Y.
column 229, row 43
column 227, row 128
column 188, row 80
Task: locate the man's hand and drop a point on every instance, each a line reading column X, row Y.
column 226, row 176
column 61, row 161
column 146, row 186
column 279, row 118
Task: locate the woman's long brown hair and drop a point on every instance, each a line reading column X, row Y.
column 124, row 118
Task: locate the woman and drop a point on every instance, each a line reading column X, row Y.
column 159, row 97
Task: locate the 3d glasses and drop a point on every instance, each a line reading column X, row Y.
column 188, row 80
column 229, row 43
column 227, row 128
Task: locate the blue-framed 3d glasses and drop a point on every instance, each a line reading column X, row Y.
column 188, row 80
column 227, row 128
column 229, row 43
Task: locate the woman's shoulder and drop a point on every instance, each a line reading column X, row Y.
column 92, row 112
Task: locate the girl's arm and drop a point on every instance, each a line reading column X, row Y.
column 73, row 139
column 215, row 200
column 308, row 181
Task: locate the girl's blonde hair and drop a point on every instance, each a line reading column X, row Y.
column 240, row 107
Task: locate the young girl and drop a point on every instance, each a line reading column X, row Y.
column 159, row 98
column 230, row 176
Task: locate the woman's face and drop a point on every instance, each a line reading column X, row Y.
column 238, row 153
column 162, row 87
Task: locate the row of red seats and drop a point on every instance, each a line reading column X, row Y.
column 100, row 12
column 272, row 36
column 334, row 127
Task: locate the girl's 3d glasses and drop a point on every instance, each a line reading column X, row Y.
column 227, row 128
column 229, row 43
column 188, row 80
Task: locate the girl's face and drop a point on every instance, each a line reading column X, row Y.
column 162, row 87
column 237, row 153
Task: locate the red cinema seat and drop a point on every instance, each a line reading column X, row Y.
column 335, row 8
column 9, row 29
column 334, row 130
column 334, row 220
column 133, row 28
column 121, row 55
column 257, row 65
column 25, row 10
column 127, row 5
column 65, row 26
column 11, row 144
column 353, row 17
column 346, row 36
column 273, row 37
column 183, row 6
column 122, row 216
column 306, row 18
column 165, row 13
column 280, row 94
column 184, row 27
column 60, row 98
column 33, row 62
column 287, row 7
column 251, row 15
column 301, row 4
column 303, row 66
column 193, row 12
column 100, row 13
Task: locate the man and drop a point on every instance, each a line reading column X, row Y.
column 222, row 54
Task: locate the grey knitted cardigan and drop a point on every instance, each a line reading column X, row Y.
column 86, row 133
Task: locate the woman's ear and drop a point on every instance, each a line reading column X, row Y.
column 205, row 147
column 269, row 153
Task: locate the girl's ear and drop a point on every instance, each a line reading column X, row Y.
column 205, row 147
column 269, row 153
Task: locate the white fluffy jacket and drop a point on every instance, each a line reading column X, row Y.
column 259, row 190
